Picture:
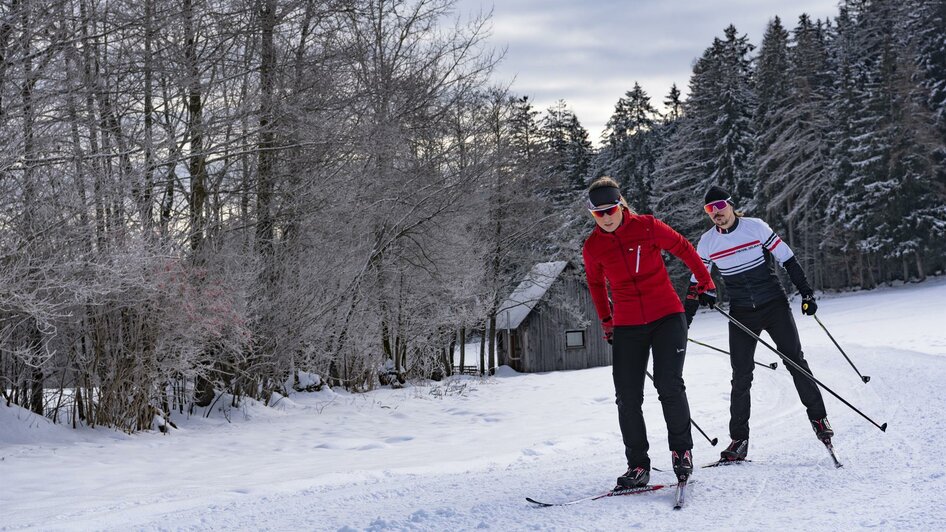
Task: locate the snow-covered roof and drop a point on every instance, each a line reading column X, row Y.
column 528, row 294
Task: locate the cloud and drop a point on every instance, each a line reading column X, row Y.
column 590, row 53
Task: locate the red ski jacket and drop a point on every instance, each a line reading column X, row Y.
column 629, row 259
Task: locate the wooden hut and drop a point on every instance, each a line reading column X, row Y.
column 549, row 322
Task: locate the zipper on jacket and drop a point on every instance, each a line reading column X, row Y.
column 637, row 267
column 640, row 299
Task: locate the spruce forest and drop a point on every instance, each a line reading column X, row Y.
column 212, row 200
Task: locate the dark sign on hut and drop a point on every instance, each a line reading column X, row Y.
column 549, row 322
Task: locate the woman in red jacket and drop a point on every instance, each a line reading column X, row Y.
column 625, row 250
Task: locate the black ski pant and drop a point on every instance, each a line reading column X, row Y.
column 632, row 344
column 775, row 318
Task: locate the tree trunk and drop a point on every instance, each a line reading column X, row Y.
column 791, row 223
column 6, row 29
column 871, row 280
column 462, row 347
column 483, row 351
column 98, row 188
column 847, row 272
column 492, row 343
column 77, row 149
column 197, row 160
column 921, row 275
column 145, row 196
column 445, row 361
column 862, row 279
column 448, row 356
column 34, row 341
column 267, row 136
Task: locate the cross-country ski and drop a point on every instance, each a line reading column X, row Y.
column 616, row 492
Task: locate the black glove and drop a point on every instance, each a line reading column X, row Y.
column 708, row 298
column 808, row 305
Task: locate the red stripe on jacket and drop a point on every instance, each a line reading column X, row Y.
column 730, row 251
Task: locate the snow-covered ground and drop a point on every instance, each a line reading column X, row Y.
column 463, row 455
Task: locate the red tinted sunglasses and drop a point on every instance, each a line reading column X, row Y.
column 601, row 212
column 715, row 206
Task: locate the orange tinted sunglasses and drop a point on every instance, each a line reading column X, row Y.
column 601, row 212
column 715, row 206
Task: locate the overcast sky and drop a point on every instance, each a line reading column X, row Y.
column 590, row 53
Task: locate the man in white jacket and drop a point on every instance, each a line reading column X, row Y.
column 743, row 250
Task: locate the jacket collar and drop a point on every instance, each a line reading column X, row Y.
column 732, row 228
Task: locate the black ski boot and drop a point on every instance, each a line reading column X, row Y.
column 634, row 477
column 736, row 452
column 682, row 464
column 822, row 428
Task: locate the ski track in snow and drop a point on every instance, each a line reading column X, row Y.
column 410, row 460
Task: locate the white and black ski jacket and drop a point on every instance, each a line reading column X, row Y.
column 743, row 256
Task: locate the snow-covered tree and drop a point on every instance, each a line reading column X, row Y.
column 673, row 103
column 732, row 164
column 569, row 154
column 712, row 142
column 630, row 150
column 569, row 150
column 772, row 84
column 926, row 25
column 793, row 147
column 887, row 173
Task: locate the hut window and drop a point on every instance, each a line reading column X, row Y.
column 575, row 338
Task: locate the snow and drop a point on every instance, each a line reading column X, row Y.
column 528, row 294
column 462, row 454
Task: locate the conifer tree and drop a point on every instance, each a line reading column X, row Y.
column 886, row 204
column 524, row 130
column 579, row 153
column 732, row 162
column 926, row 26
column 568, row 147
column 568, row 156
column 772, row 84
column 712, row 143
column 684, row 167
column 793, row 157
column 553, row 131
column 629, row 153
column 674, row 104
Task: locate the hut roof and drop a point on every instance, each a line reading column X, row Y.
column 528, row 294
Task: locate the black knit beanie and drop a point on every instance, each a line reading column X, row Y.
column 715, row 193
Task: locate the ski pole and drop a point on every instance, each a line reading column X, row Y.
column 773, row 365
column 713, row 441
column 801, row 370
column 865, row 378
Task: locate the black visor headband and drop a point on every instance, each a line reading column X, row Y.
column 604, row 196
